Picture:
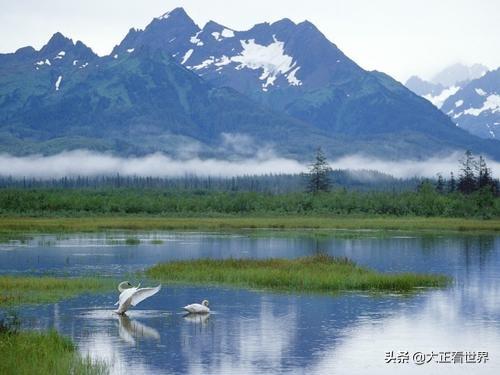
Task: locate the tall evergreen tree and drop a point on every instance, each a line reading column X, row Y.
column 467, row 180
column 484, row 174
column 452, row 184
column 440, row 184
column 318, row 175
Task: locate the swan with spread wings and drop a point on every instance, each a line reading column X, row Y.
column 132, row 295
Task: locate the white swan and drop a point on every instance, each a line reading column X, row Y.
column 196, row 308
column 132, row 295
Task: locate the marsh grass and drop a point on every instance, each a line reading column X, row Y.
column 26, row 352
column 132, row 241
column 15, row 290
column 13, row 227
column 318, row 273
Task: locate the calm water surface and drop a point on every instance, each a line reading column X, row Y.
column 254, row 332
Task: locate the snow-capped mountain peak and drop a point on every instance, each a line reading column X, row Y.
column 174, row 14
column 476, row 106
column 269, row 56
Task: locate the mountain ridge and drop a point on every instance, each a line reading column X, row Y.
column 311, row 92
column 472, row 87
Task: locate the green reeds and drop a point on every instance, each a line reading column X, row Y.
column 25, row 352
column 15, row 290
column 318, row 273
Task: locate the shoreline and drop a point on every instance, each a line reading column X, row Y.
column 18, row 225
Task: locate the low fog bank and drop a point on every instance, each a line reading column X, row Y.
column 408, row 168
column 87, row 163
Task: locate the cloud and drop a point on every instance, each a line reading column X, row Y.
column 239, row 143
column 88, row 163
column 408, row 168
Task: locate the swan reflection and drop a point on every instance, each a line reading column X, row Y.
column 197, row 318
column 129, row 330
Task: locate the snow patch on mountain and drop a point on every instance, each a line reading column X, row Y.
column 480, row 92
column 224, row 60
column 459, row 103
column 60, row 55
column 58, row 82
column 439, row 99
column 292, row 79
column 227, row 33
column 187, row 55
column 271, row 59
column 195, row 40
column 130, row 50
column 492, row 103
column 164, row 16
column 204, row 64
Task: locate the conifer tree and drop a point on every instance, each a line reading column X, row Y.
column 467, row 180
column 452, row 184
column 484, row 174
column 318, row 175
column 440, row 184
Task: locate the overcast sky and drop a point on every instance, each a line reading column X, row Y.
column 399, row 37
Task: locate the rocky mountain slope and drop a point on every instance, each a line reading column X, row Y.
column 175, row 87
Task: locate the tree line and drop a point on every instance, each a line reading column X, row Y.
column 364, row 180
column 474, row 176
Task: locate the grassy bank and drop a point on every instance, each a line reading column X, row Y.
column 10, row 226
column 15, row 290
column 42, row 353
column 320, row 273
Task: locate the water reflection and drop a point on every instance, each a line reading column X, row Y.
column 129, row 330
column 439, row 323
column 201, row 319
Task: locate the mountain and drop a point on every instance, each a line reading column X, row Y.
column 422, row 87
column 476, row 106
column 457, row 73
column 139, row 103
column 28, row 73
column 175, row 87
column 266, row 58
column 446, row 82
column 294, row 68
column 468, row 94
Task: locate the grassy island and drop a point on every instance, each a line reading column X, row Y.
column 319, row 273
column 16, row 290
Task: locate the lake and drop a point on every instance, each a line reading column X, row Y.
column 252, row 332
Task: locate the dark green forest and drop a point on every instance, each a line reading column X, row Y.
column 426, row 201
